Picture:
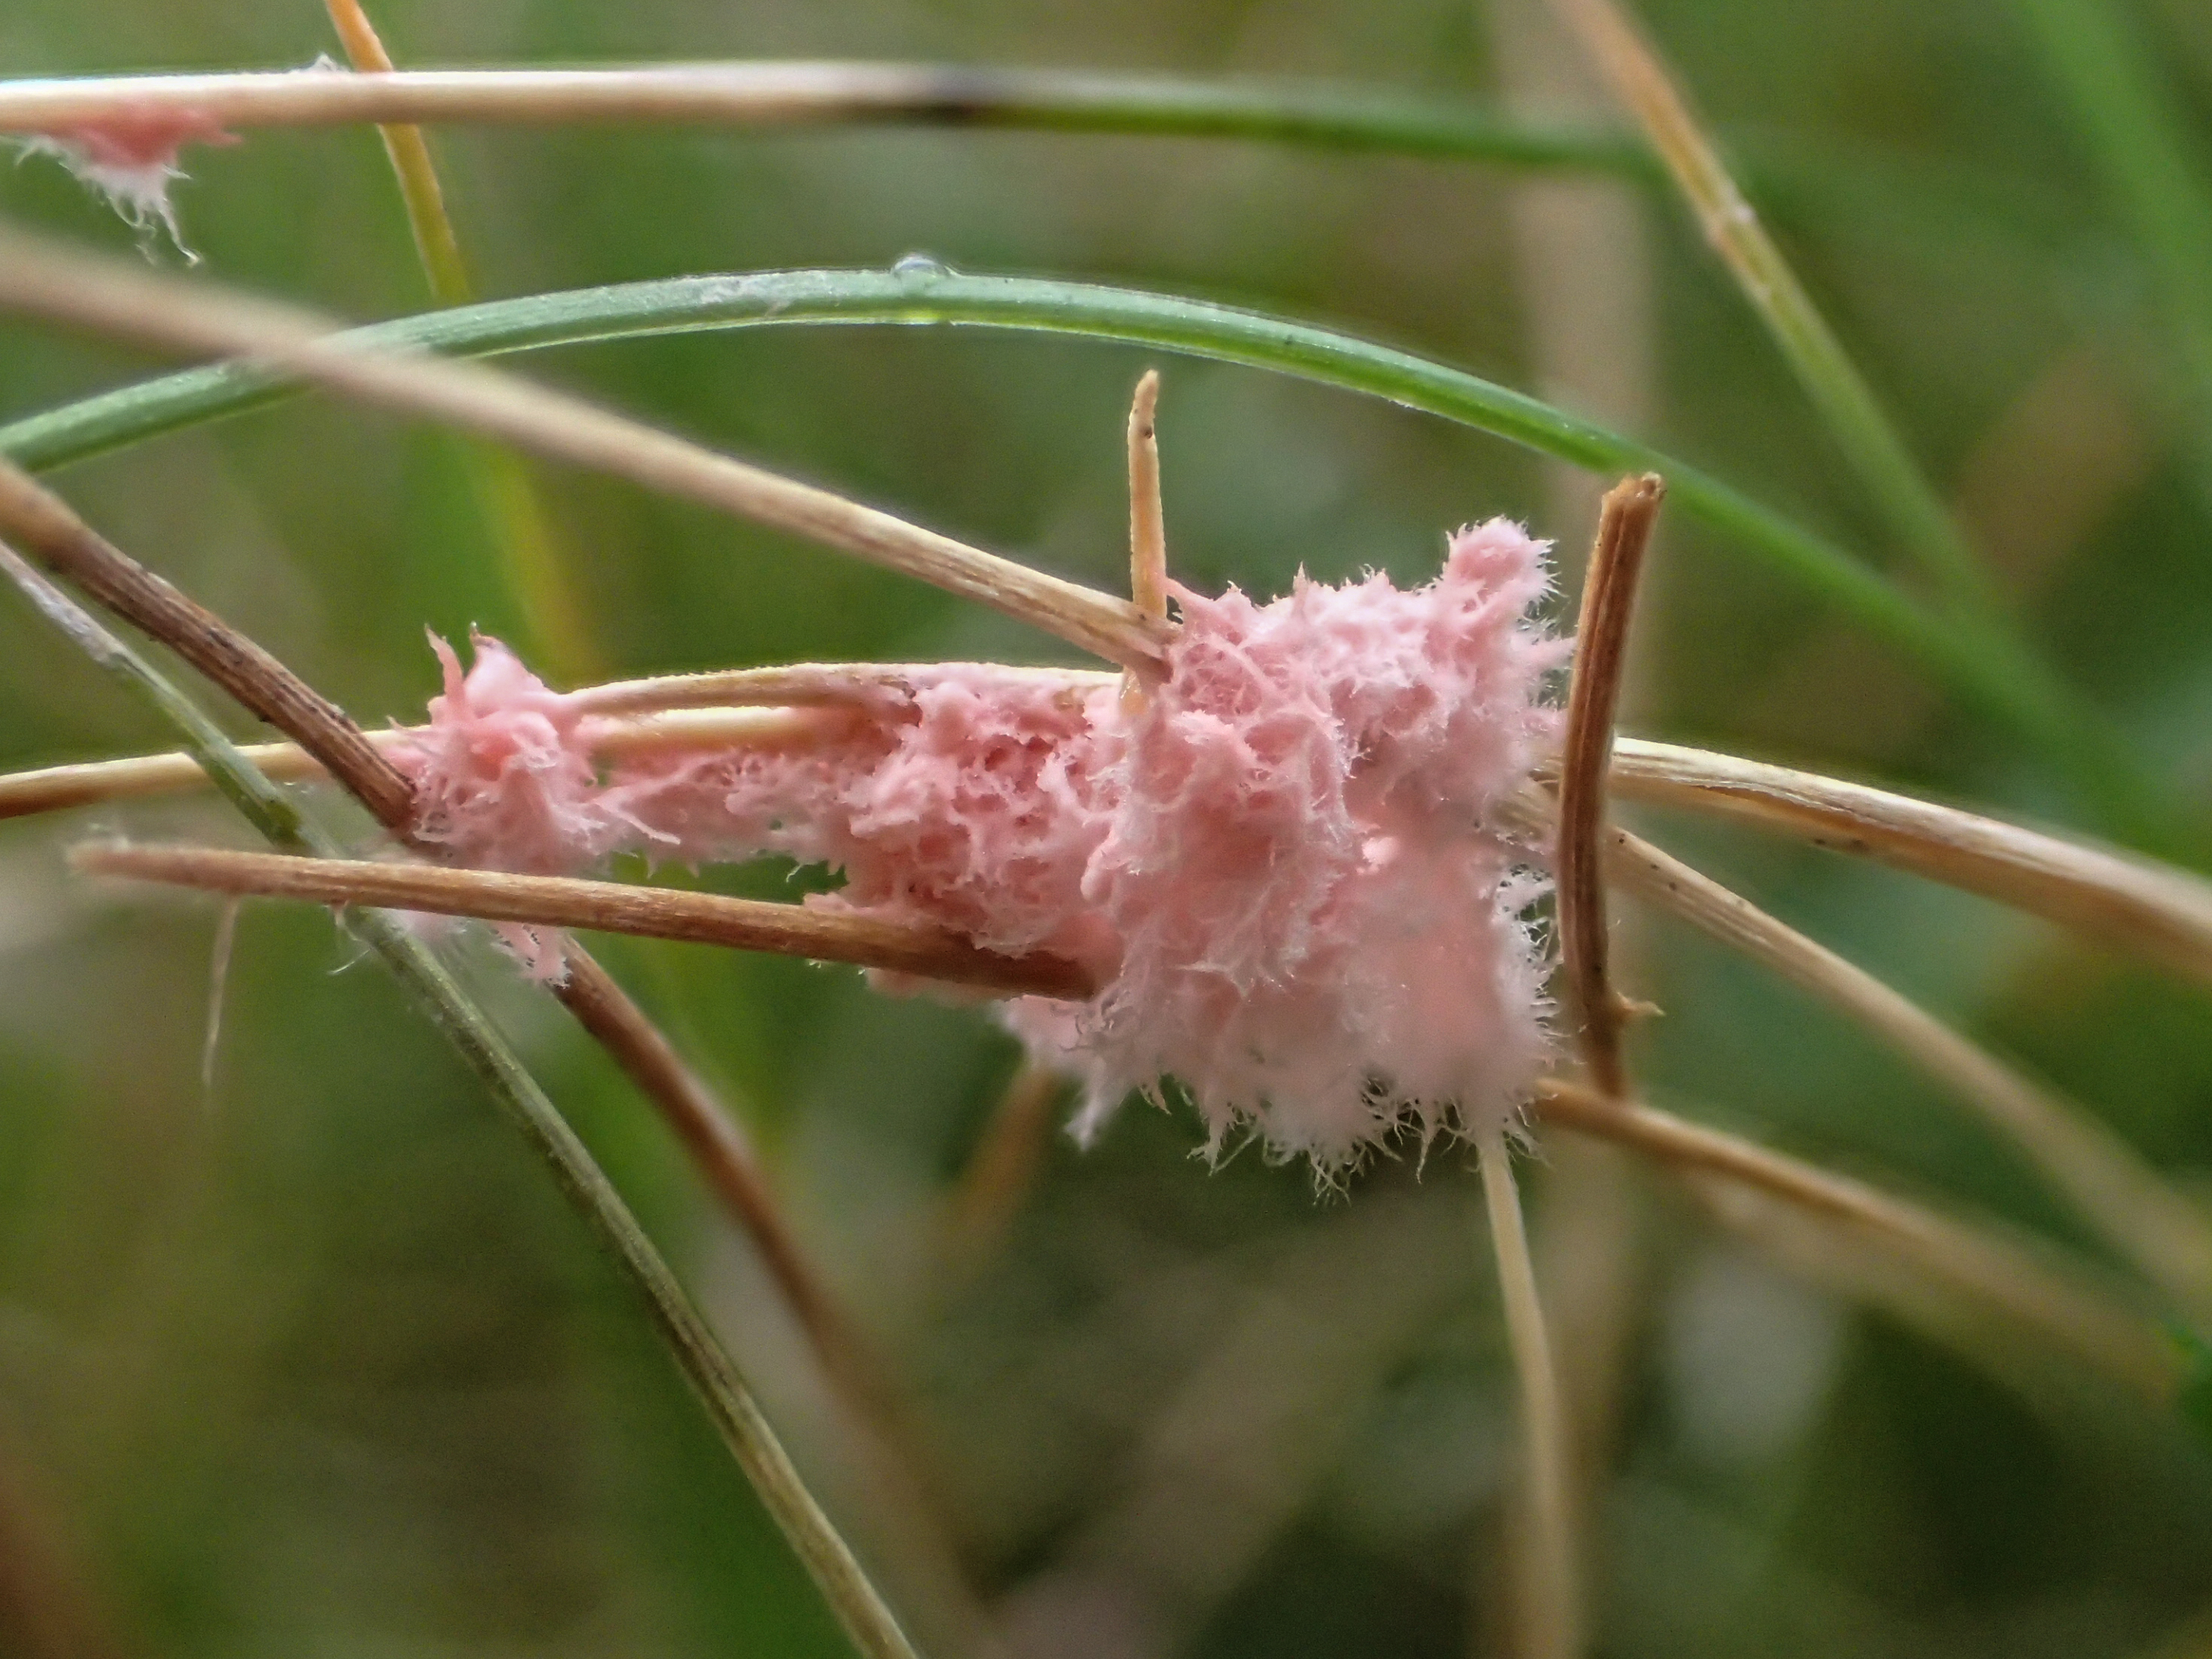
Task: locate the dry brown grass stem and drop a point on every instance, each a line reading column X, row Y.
column 1003, row 1169
column 692, row 730
column 1148, row 535
column 93, row 783
column 864, row 685
column 44, row 526
column 719, row 1150
column 733, row 94
column 49, row 280
column 1625, row 521
column 2151, row 909
column 1638, row 79
column 1994, row 1269
column 1551, row 1611
column 2106, row 1182
column 605, row 907
column 1618, row 49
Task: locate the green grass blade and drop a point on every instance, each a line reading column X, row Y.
column 1318, row 117
column 712, row 1374
column 2140, row 141
column 1831, row 380
column 1985, row 668
column 527, row 553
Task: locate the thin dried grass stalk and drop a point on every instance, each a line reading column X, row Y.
column 1148, row 536
column 2103, row 1177
column 46, row 279
column 601, row 906
column 45, row 528
column 1551, row 1614
column 733, row 94
column 2154, row 910
column 1629, row 514
column 98, row 783
column 864, row 684
column 868, row 1620
column 1991, row 1268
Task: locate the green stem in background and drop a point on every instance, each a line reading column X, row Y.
column 720, row 1387
column 424, row 197
column 1993, row 672
column 1823, row 369
column 537, row 574
column 2140, row 141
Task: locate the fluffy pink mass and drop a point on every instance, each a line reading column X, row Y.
column 131, row 158
column 1277, row 863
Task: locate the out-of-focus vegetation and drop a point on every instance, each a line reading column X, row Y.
column 312, row 1360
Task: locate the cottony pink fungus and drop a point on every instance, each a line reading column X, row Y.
column 131, row 158
column 1279, row 864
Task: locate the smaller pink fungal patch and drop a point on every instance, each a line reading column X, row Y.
column 131, row 158
column 1278, row 864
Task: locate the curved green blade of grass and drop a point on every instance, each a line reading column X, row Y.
column 721, row 1388
column 1988, row 670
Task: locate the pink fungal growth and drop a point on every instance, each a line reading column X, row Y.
column 1320, row 938
column 131, row 158
column 975, row 805
column 1277, row 863
column 502, row 780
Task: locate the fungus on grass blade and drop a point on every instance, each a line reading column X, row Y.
column 131, row 159
column 1279, row 865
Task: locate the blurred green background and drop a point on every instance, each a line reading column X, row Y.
column 311, row 1360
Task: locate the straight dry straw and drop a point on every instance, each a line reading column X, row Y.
column 602, row 906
